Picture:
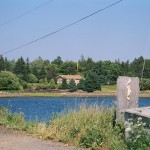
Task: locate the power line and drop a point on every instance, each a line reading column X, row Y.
column 25, row 13
column 67, row 26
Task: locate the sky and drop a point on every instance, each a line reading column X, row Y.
column 120, row 32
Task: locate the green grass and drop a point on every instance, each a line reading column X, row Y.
column 145, row 92
column 109, row 88
column 42, row 94
column 23, row 94
column 113, row 89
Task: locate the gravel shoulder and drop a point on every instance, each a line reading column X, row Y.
column 14, row 140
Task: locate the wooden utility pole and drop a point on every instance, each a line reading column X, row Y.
column 127, row 95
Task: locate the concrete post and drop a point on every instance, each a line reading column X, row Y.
column 127, row 94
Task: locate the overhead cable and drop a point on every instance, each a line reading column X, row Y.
column 67, row 26
column 25, row 13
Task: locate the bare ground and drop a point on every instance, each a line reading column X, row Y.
column 14, row 140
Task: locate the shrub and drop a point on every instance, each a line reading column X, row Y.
column 44, row 80
column 31, row 78
column 145, row 84
column 139, row 137
column 23, row 84
column 52, row 84
column 9, row 81
column 44, row 86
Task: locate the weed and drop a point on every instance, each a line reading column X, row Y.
column 139, row 137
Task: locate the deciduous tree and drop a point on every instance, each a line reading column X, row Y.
column 9, row 81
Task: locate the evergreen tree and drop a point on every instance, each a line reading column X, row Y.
column 43, row 73
column 136, row 66
column 146, row 73
column 68, row 67
column 81, row 85
column 92, row 82
column 20, row 69
column 72, row 86
column 28, row 66
column 82, row 64
column 2, row 63
column 52, row 71
column 89, row 64
column 99, row 70
column 8, row 65
column 57, row 61
column 64, row 84
column 125, row 68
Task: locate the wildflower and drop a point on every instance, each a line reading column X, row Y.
column 139, row 119
column 138, row 136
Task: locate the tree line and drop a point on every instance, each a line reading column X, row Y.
column 46, row 71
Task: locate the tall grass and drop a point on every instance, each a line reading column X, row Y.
column 91, row 127
column 16, row 121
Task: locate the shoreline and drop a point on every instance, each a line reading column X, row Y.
column 67, row 94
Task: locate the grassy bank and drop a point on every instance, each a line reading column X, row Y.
column 107, row 90
column 18, row 94
column 89, row 127
column 42, row 94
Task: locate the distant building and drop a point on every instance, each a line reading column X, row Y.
column 76, row 78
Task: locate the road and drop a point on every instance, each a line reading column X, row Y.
column 13, row 140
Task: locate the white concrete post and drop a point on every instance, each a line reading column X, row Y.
column 127, row 94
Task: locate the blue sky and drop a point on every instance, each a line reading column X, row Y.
column 123, row 31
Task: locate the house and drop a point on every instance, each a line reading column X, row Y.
column 76, row 78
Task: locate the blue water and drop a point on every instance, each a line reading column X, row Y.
column 43, row 108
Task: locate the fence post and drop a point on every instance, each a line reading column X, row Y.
column 127, row 94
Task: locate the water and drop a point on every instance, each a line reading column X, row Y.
column 44, row 107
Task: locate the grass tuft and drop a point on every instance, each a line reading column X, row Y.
column 89, row 127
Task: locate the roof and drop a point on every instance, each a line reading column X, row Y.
column 70, row 76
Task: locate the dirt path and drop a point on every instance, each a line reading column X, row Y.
column 12, row 140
